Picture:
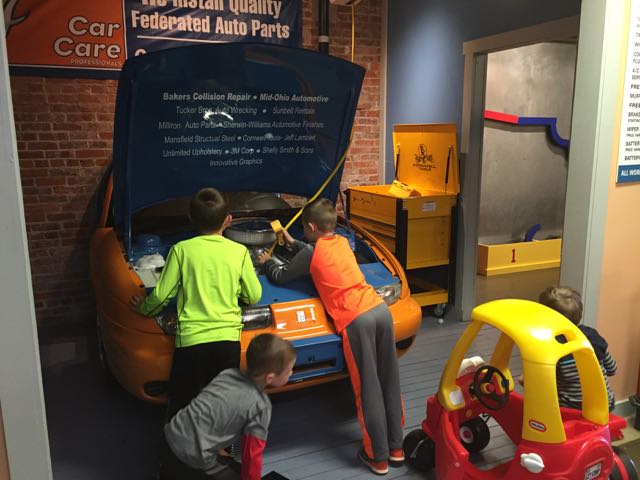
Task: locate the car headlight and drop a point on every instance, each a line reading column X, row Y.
column 390, row 293
column 168, row 322
column 256, row 317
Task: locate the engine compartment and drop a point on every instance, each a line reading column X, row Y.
column 158, row 228
column 257, row 235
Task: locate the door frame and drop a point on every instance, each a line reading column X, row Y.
column 472, row 130
column 23, row 421
column 595, row 102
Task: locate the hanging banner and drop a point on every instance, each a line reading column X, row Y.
column 629, row 145
column 93, row 39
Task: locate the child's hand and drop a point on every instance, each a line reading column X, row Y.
column 263, row 258
column 135, row 302
column 288, row 239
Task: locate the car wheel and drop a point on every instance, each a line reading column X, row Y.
column 474, row 435
column 102, row 355
column 623, row 466
column 419, row 450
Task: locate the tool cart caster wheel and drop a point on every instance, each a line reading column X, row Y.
column 419, row 450
column 438, row 310
column 474, row 435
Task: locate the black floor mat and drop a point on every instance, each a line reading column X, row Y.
column 274, row 476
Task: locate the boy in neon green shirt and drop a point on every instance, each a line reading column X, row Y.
column 209, row 274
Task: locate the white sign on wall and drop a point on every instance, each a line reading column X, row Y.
column 629, row 148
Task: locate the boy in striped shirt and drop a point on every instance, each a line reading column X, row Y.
column 568, row 302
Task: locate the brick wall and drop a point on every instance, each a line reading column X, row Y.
column 65, row 128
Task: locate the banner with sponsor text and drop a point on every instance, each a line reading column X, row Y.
column 629, row 143
column 82, row 38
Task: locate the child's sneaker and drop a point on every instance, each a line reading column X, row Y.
column 379, row 468
column 396, row 457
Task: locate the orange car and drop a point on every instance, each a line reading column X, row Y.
column 221, row 115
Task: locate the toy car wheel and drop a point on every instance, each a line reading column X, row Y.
column 419, row 450
column 474, row 435
column 623, row 466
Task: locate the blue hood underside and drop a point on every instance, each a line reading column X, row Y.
column 237, row 117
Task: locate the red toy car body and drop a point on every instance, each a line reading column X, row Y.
column 551, row 442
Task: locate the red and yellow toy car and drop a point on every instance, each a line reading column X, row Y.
column 551, row 442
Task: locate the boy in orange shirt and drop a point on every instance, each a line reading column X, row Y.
column 363, row 320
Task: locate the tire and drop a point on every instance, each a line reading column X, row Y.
column 419, row 450
column 474, row 435
column 625, row 462
column 109, row 379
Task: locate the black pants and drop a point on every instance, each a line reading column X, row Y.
column 194, row 367
column 171, row 468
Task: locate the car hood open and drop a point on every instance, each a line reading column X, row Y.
column 251, row 117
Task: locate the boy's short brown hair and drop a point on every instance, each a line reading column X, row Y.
column 268, row 353
column 565, row 300
column 208, row 209
column 322, row 213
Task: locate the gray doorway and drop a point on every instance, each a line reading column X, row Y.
column 524, row 169
column 474, row 100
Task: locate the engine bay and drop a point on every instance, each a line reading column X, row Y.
column 158, row 228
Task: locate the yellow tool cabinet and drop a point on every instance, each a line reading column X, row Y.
column 413, row 216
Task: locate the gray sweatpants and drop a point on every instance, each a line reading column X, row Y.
column 370, row 354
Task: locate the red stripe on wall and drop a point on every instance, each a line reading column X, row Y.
column 501, row 117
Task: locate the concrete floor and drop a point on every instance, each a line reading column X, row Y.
column 98, row 432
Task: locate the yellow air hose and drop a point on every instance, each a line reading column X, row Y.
column 342, row 159
column 317, row 194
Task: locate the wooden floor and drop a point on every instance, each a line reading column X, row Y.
column 101, row 433
column 315, row 434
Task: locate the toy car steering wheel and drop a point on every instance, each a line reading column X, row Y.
column 485, row 390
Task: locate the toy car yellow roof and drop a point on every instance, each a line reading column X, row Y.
column 534, row 328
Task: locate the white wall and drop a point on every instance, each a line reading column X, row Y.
column 21, row 397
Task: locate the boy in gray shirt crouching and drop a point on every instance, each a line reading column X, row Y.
column 233, row 406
